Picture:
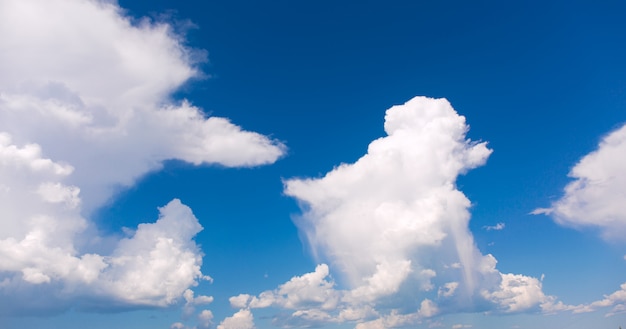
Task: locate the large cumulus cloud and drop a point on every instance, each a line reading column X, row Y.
column 394, row 227
column 85, row 109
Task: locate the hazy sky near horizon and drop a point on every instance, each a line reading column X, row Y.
column 353, row 164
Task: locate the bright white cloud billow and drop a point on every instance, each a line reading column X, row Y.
column 369, row 218
column 395, row 227
column 91, row 89
column 85, row 109
column 242, row 319
column 151, row 268
column 498, row 227
column 597, row 196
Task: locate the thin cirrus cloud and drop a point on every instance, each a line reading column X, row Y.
column 84, row 90
column 242, row 319
column 394, row 226
column 498, row 227
column 595, row 198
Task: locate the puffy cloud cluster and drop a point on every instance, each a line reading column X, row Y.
column 151, row 268
column 191, row 302
column 243, row 319
column 85, row 109
column 517, row 293
column 597, row 196
column 396, row 227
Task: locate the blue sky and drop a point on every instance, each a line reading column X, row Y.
column 314, row 189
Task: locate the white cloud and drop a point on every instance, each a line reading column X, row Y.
column 191, row 302
column 448, row 289
column 497, row 227
column 205, row 318
column 152, row 268
column 177, row 325
column 517, row 293
column 374, row 217
column 392, row 320
column 313, row 298
column 301, row 291
column 93, row 90
column 396, row 213
column 394, row 225
column 86, row 109
column 428, row 309
column 243, row 319
column 616, row 301
column 240, row 301
column 597, row 196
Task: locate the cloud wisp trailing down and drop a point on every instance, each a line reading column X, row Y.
column 394, row 226
column 370, row 217
column 86, row 109
column 597, row 196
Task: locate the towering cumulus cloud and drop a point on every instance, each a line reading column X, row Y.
column 395, row 226
column 372, row 217
column 597, row 196
column 85, row 109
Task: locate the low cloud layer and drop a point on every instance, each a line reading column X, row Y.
column 597, row 196
column 85, row 110
column 394, row 227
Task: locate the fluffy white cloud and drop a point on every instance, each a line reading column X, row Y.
column 517, row 293
column 392, row 320
column 243, row 319
column 205, row 318
column 395, row 227
column 597, row 196
column 308, row 290
column 154, row 267
column 375, row 218
column 86, row 109
column 92, row 90
column 191, row 302
column 448, row 289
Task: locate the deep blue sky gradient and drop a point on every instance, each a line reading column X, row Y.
column 542, row 82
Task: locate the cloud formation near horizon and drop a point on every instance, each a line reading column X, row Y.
column 86, row 109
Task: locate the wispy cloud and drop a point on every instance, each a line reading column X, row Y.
column 498, row 227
